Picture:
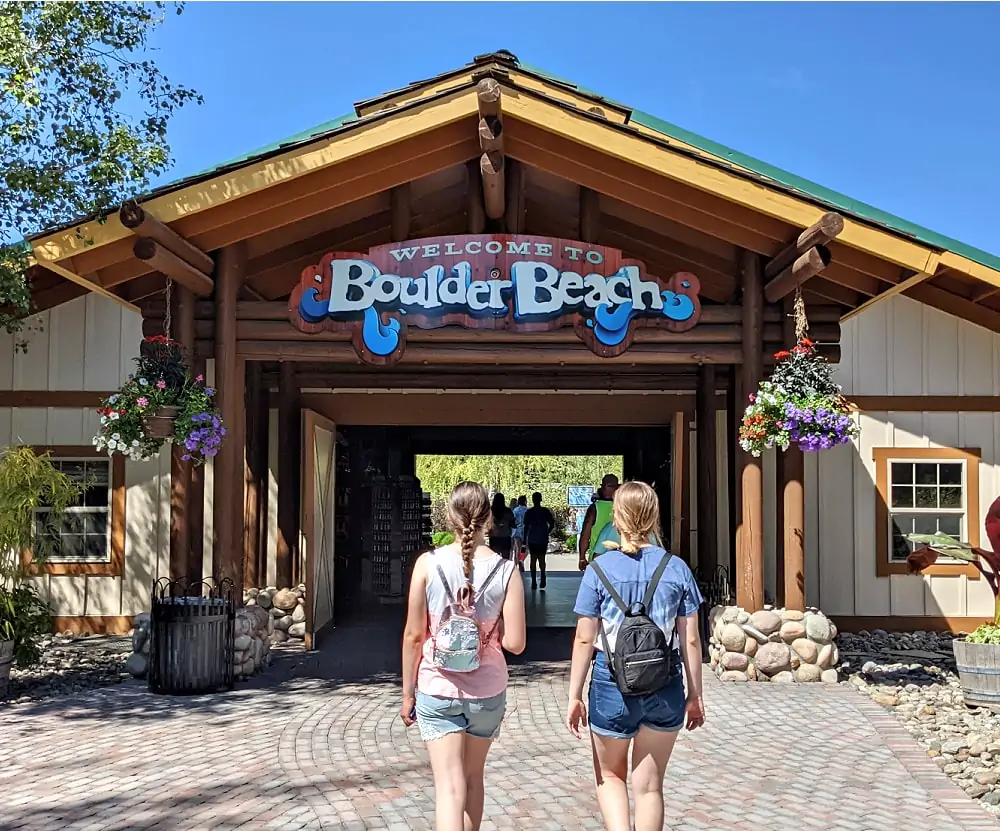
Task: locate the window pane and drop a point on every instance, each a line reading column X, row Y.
column 902, row 473
column 71, row 546
column 926, row 473
column 74, row 470
column 97, row 523
column 99, row 473
column 950, row 524
column 902, row 496
column 925, row 524
column 951, row 474
column 97, row 547
column 951, row 497
column 96, row 496
column 900, row 548
column 72, row 524
column 927, row 497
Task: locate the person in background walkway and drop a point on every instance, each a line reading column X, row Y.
column 518, row 544
column 456, row 692
column 649, row 722
column 502, row 530
column 597, row 517
column 538, row 525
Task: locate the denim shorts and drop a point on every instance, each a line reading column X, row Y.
column 479, row 717
column 616, row 716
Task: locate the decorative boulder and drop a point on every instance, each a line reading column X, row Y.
column 773, row 658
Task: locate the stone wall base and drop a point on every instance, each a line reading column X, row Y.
column 287, row 608
column 779, row 645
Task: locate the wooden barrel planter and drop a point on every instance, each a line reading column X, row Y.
column 6, row 661
column 160, row 424
column 979, row 672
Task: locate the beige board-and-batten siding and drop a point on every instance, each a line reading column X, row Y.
column 899, row 348
column 89, row 344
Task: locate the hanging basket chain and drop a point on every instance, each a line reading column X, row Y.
column 166, row 316
column 801, row 322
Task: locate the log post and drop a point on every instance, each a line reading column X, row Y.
column 264, row 482
column 252, row 476
column 792, row 509
column 289, row 456
column 708, row 538
column 820, row 232
column 475, row 214
column 750, row 553
column 491, row 163
column 196, row 505
column 590, row 215
column 140, row 223
column 399, row 198
column 806, row 266
column 180, row 470
column 227, row 554
column 160, row 258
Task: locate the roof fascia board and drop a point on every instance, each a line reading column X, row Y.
column 349, row 142
column 90, row 285
column 730, row 182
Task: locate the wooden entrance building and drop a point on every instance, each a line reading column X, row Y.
column 501, row 154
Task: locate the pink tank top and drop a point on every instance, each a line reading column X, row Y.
column 490, row 678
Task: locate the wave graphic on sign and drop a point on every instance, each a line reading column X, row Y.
column 678, row 306
column 611, row 327
column 380, row 338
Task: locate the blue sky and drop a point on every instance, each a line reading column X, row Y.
column 895, row 104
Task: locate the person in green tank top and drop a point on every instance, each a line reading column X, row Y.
column 597, row 519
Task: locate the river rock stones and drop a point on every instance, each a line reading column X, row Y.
column 773, row 645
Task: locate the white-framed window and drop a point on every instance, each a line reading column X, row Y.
column 83, row 533
column 927, row 496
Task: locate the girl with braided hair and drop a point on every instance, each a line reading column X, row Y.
column 463, row 607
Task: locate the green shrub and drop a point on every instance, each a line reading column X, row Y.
column 440, row 538
column 571, row 541
column 987, row 633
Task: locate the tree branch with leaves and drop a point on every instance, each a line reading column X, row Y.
column 83, row 122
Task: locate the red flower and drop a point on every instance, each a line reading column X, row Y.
column 806, row 342
column 780, row 356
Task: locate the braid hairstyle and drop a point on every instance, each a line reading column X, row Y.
column 468, row 514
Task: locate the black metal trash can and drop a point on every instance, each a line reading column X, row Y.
column 191, row 637
column 715, row 591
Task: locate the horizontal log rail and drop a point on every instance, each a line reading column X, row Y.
column 159, row 258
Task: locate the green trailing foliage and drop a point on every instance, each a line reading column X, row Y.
column 440, row 538
column 83, row 122
column 28, row 482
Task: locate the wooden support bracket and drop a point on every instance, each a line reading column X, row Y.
column 806, row 266
column 166, row 262
column 141, row 224
column 401, row 212
column 825, row 229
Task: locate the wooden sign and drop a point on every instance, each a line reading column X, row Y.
column 489, row 281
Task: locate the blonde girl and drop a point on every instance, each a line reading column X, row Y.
column 459, row 710
column 648, row 724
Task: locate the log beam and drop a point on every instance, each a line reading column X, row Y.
column 141, row 224
column 289, row 455
column 806, row 266
column 826, row 228
column 159, row 258
column 491, row 163
column 750, row 552
column 227, row 553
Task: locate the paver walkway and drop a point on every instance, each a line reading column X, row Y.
column 318, row 744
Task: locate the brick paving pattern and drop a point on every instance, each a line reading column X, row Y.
column 318, row 745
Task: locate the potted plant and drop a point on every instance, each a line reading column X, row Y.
column 977, row 655
column 161, row 403
column 27, row 482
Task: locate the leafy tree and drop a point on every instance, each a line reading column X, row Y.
column 83, row 121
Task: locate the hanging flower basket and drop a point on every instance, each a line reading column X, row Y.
column 800, row 403
column 161, row 403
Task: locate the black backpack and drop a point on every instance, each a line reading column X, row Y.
column 643, row 661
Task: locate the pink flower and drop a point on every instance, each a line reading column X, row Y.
column 142, row 401
column 200, row 378
column 161, row 384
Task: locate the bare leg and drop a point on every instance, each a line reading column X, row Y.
column 475, row 760
column 610, row 772
column 650, row 755
column 446, row 756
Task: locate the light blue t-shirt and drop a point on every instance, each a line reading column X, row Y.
column 677, row 593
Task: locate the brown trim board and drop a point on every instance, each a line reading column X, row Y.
column 52, row 398
column 92, row 624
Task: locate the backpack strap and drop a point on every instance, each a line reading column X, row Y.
column 444, row 582
column 654, row 581
column 496, row 623
column 600, row 620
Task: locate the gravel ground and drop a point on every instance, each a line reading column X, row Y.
column 71, row 665
column 914, row 676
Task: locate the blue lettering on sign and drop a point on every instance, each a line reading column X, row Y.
column 537, row 291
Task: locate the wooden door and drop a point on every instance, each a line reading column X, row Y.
column 319, row 456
